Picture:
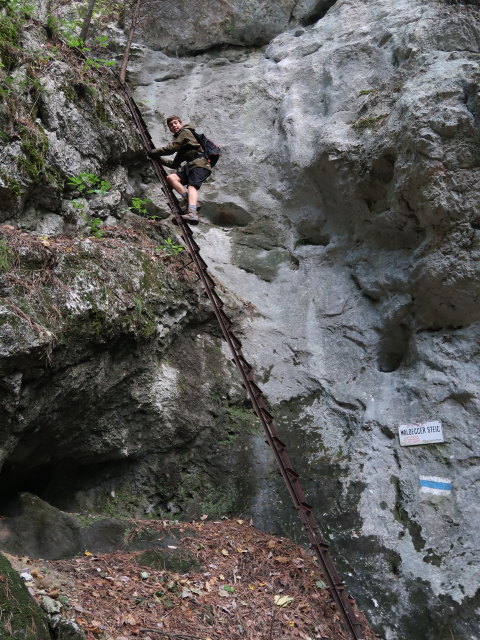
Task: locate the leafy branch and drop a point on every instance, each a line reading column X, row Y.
column 89, row 183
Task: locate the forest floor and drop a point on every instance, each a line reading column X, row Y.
column 222, row 580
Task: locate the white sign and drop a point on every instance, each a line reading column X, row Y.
column 420, row 433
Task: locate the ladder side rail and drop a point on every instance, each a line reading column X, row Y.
column 319, row 546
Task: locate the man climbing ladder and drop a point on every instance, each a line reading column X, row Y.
column 188, row 179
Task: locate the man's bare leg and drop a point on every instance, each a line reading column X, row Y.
column 174, row 182
column 192, row 196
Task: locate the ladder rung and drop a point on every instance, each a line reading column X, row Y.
column 267, row 415
column 256, row 390
column 192, row 242
column 247, row 367
column 225, row 319
column 236, row 342
column 206, row 277
column 322, row 545
column 184, row 266
column 278, row 442
column 201, row 262
column 218, row 300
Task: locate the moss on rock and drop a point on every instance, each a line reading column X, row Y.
column 20, row 616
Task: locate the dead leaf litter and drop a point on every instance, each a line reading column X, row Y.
column 246, row 584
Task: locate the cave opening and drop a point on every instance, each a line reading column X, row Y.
column 318, row 12
column 59, row 483
column 19, row 478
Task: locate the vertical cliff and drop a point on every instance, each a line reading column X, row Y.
column 345, row 210
column 115, row 393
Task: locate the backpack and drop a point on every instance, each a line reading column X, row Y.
column 210, row 149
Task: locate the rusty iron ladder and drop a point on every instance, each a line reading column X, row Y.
column 321, row 548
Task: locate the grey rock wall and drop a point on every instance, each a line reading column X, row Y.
column 193, row 27
column 105, row 345
column 344, row 209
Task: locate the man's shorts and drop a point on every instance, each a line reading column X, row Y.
column 196, row 176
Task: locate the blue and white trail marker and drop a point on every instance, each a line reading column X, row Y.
column 420, row 433
column 435, row 485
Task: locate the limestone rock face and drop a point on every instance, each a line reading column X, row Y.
column 345, row 209
column 189, row 27
column 106, row 348
column 61, row 121
column 103, row 366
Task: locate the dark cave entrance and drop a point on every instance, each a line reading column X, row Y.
column 16, row 479
column 318, row 12
column 58, row 482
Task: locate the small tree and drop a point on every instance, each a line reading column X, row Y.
column 133, row 23
column 87, row 20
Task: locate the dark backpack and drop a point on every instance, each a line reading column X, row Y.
column 210, row 149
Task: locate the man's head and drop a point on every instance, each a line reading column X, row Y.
column 174, row 124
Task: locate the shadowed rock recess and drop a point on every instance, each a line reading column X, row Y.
column 343, row 216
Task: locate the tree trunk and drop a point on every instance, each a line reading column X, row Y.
column 133, row 24
column 87, row 20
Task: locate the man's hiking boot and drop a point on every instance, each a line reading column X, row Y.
column 191, row 218
column 184, row 207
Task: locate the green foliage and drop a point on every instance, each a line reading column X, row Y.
column 12, row 19
column 138, row 302
column 77, row 43
column 86, row 519
column 102, row 41
column 30, row 82
column 67, row 29
column 98, row 63
column 64, row 28
column 11, row 183
column 138, row 206
column 244, row 417
column 366, row 92
column 169, row 247
column 119, row 504
column 78, row 205
column 221, row 501
column 89, row 183
column 6, row 87
column 368, row 123
column 34, row 144
column 5, row 257
column 20, row 616
column 95, row 225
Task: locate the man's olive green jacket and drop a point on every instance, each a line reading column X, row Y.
column 187, row 149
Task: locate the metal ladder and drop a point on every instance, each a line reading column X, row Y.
column 321, row 548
